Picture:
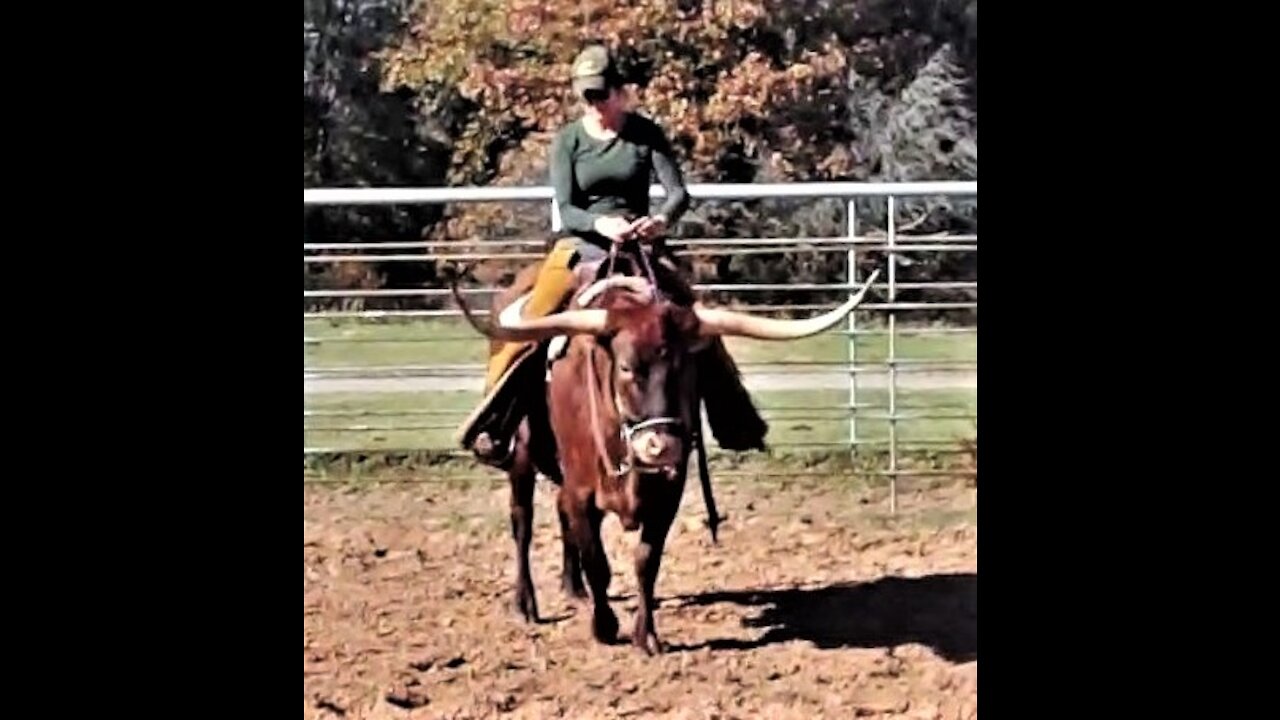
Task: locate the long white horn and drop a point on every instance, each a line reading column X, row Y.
column 727, row 322
column 513, row 328
column 569, row 322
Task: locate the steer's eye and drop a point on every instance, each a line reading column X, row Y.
column 624, row 367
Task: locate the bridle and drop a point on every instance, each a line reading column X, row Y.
column 628, row 427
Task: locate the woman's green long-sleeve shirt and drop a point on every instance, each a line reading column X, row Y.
column 594, row 178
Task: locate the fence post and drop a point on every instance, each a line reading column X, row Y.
column 893, row 362
column 556, row 223
column 851, row 273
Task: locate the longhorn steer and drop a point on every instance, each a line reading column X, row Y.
column 621, row 403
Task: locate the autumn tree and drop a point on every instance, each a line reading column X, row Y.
column 356, row 134
column 748, row 91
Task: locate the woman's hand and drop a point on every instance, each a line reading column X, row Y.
column 615, row 228
column 647, row 228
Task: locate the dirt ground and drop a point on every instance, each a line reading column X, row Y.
column 814, row 604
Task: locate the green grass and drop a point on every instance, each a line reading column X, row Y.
column 433, row 431
column 450, row 341
column 424, row 341
column 812, row 416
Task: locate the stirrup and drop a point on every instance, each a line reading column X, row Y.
column 486, row 451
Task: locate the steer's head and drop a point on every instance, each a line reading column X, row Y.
column 647, row 348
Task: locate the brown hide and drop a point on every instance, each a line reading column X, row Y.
column 637, row 331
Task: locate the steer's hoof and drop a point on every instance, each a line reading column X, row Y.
column 605, row 627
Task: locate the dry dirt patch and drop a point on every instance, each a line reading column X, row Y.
column 812, row 605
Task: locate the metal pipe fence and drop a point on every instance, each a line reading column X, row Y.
column 918, row 383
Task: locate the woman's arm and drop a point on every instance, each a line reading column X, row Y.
column 572, row 217
column 667, row 167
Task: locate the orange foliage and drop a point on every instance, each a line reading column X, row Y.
column 511, row 58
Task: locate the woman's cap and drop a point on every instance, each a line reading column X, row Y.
column 593, row 69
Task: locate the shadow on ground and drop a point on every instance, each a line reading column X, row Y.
column 940, row 611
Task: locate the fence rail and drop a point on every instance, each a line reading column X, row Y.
column 699, row 191
column 901, row 401
column 474, row 256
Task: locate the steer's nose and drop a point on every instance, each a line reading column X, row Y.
column 655, row 445
column 654, row 448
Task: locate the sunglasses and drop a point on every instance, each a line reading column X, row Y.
column 595, row 96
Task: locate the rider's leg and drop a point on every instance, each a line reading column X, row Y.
column 489, row 430
column 555, row 280
column 734, row 421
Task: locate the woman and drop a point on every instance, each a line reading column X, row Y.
column 601, row 165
